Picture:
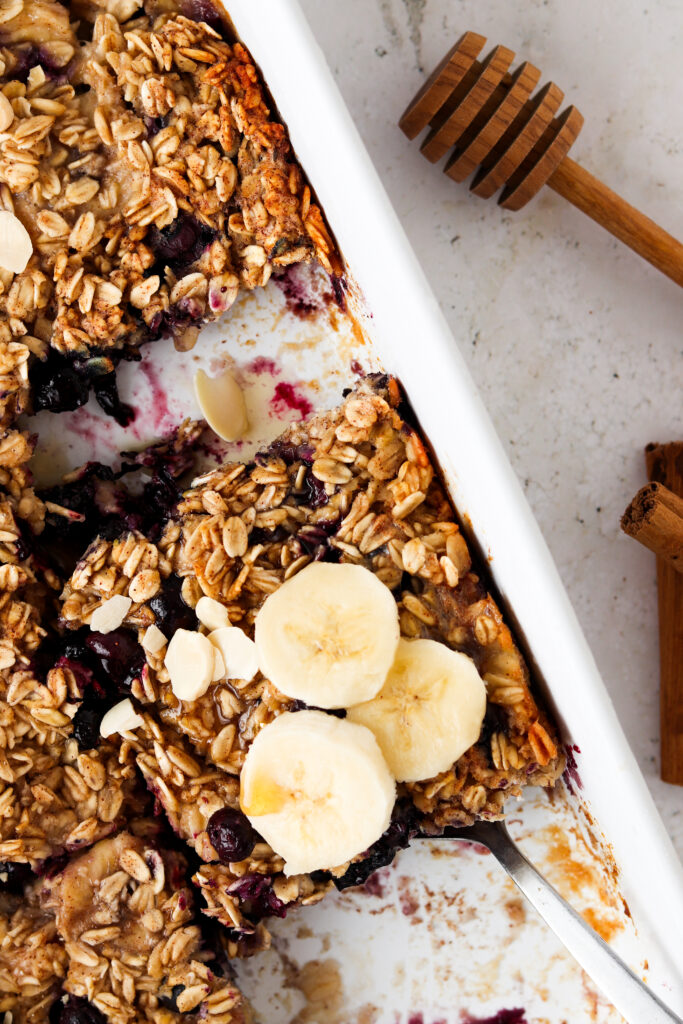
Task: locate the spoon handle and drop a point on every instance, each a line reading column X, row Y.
column 630, row 996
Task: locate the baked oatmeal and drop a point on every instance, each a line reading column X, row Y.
column 351, row 487
column 144, row 181
column 112, row 937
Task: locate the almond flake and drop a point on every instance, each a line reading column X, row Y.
column 6, row 113
column 110, row 614
column 16, row 247
column 222, row 403
column 190, row 662
column 121, row 718
column 238, row 651
column 153, row 639
column 211, row 613
column 218, row 666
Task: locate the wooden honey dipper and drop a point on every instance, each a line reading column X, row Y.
column 488, row 116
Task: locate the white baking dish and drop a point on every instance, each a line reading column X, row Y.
column 442, row 933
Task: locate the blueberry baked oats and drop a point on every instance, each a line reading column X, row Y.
column 379, row 655
column 143, row 182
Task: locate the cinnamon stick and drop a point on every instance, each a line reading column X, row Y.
column 665, row 466
column 655, row 518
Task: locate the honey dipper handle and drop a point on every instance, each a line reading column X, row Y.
column 621, row 219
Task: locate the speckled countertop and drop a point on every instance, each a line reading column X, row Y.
column 575, row 343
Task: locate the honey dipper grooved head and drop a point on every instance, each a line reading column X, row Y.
column 490, row 119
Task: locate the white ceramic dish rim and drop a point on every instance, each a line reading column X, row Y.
column 414, row 342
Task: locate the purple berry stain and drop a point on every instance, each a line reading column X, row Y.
column 287, row 398
column 231, row 835
column 261, row 365
column 516, row 1016
column 571, row 773
column 300, row 297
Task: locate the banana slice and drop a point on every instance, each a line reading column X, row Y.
column 317, row 789
column 429, row 711
column 328, row 635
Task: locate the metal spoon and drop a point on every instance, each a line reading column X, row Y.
column 629, row 995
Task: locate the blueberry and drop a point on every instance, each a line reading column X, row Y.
column 17, row 875
column 79, row 1011
column 203, row 10
column 171, row 1002
column 86, row 725
column 120, row 656
column 257, row 897
column 28, row 57
column 315, row 540
column 260, row 535
column 170, row 610
column 231, row 835
column 158, row 500
column 153, row 125
column 314, row 494
column 402, row 828
column 56, row 385
column 287, row 451
column 52, row 866
column 181, row 243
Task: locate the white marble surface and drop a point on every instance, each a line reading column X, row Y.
column 575, row 343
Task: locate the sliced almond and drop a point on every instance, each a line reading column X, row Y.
column 16, row 247
column 240, row 656
column 190, row 662
column 6, row 113
column 121, row 718
column 218, row 666
column 222, row 403
column 110, row 614
column 211, row 613
column 154, row 640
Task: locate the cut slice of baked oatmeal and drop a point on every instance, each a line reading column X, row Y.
column 111, row 937
column 354, row 486
column 124, row 912
column 57, row 793
column 139, row 151
column 53, row 798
